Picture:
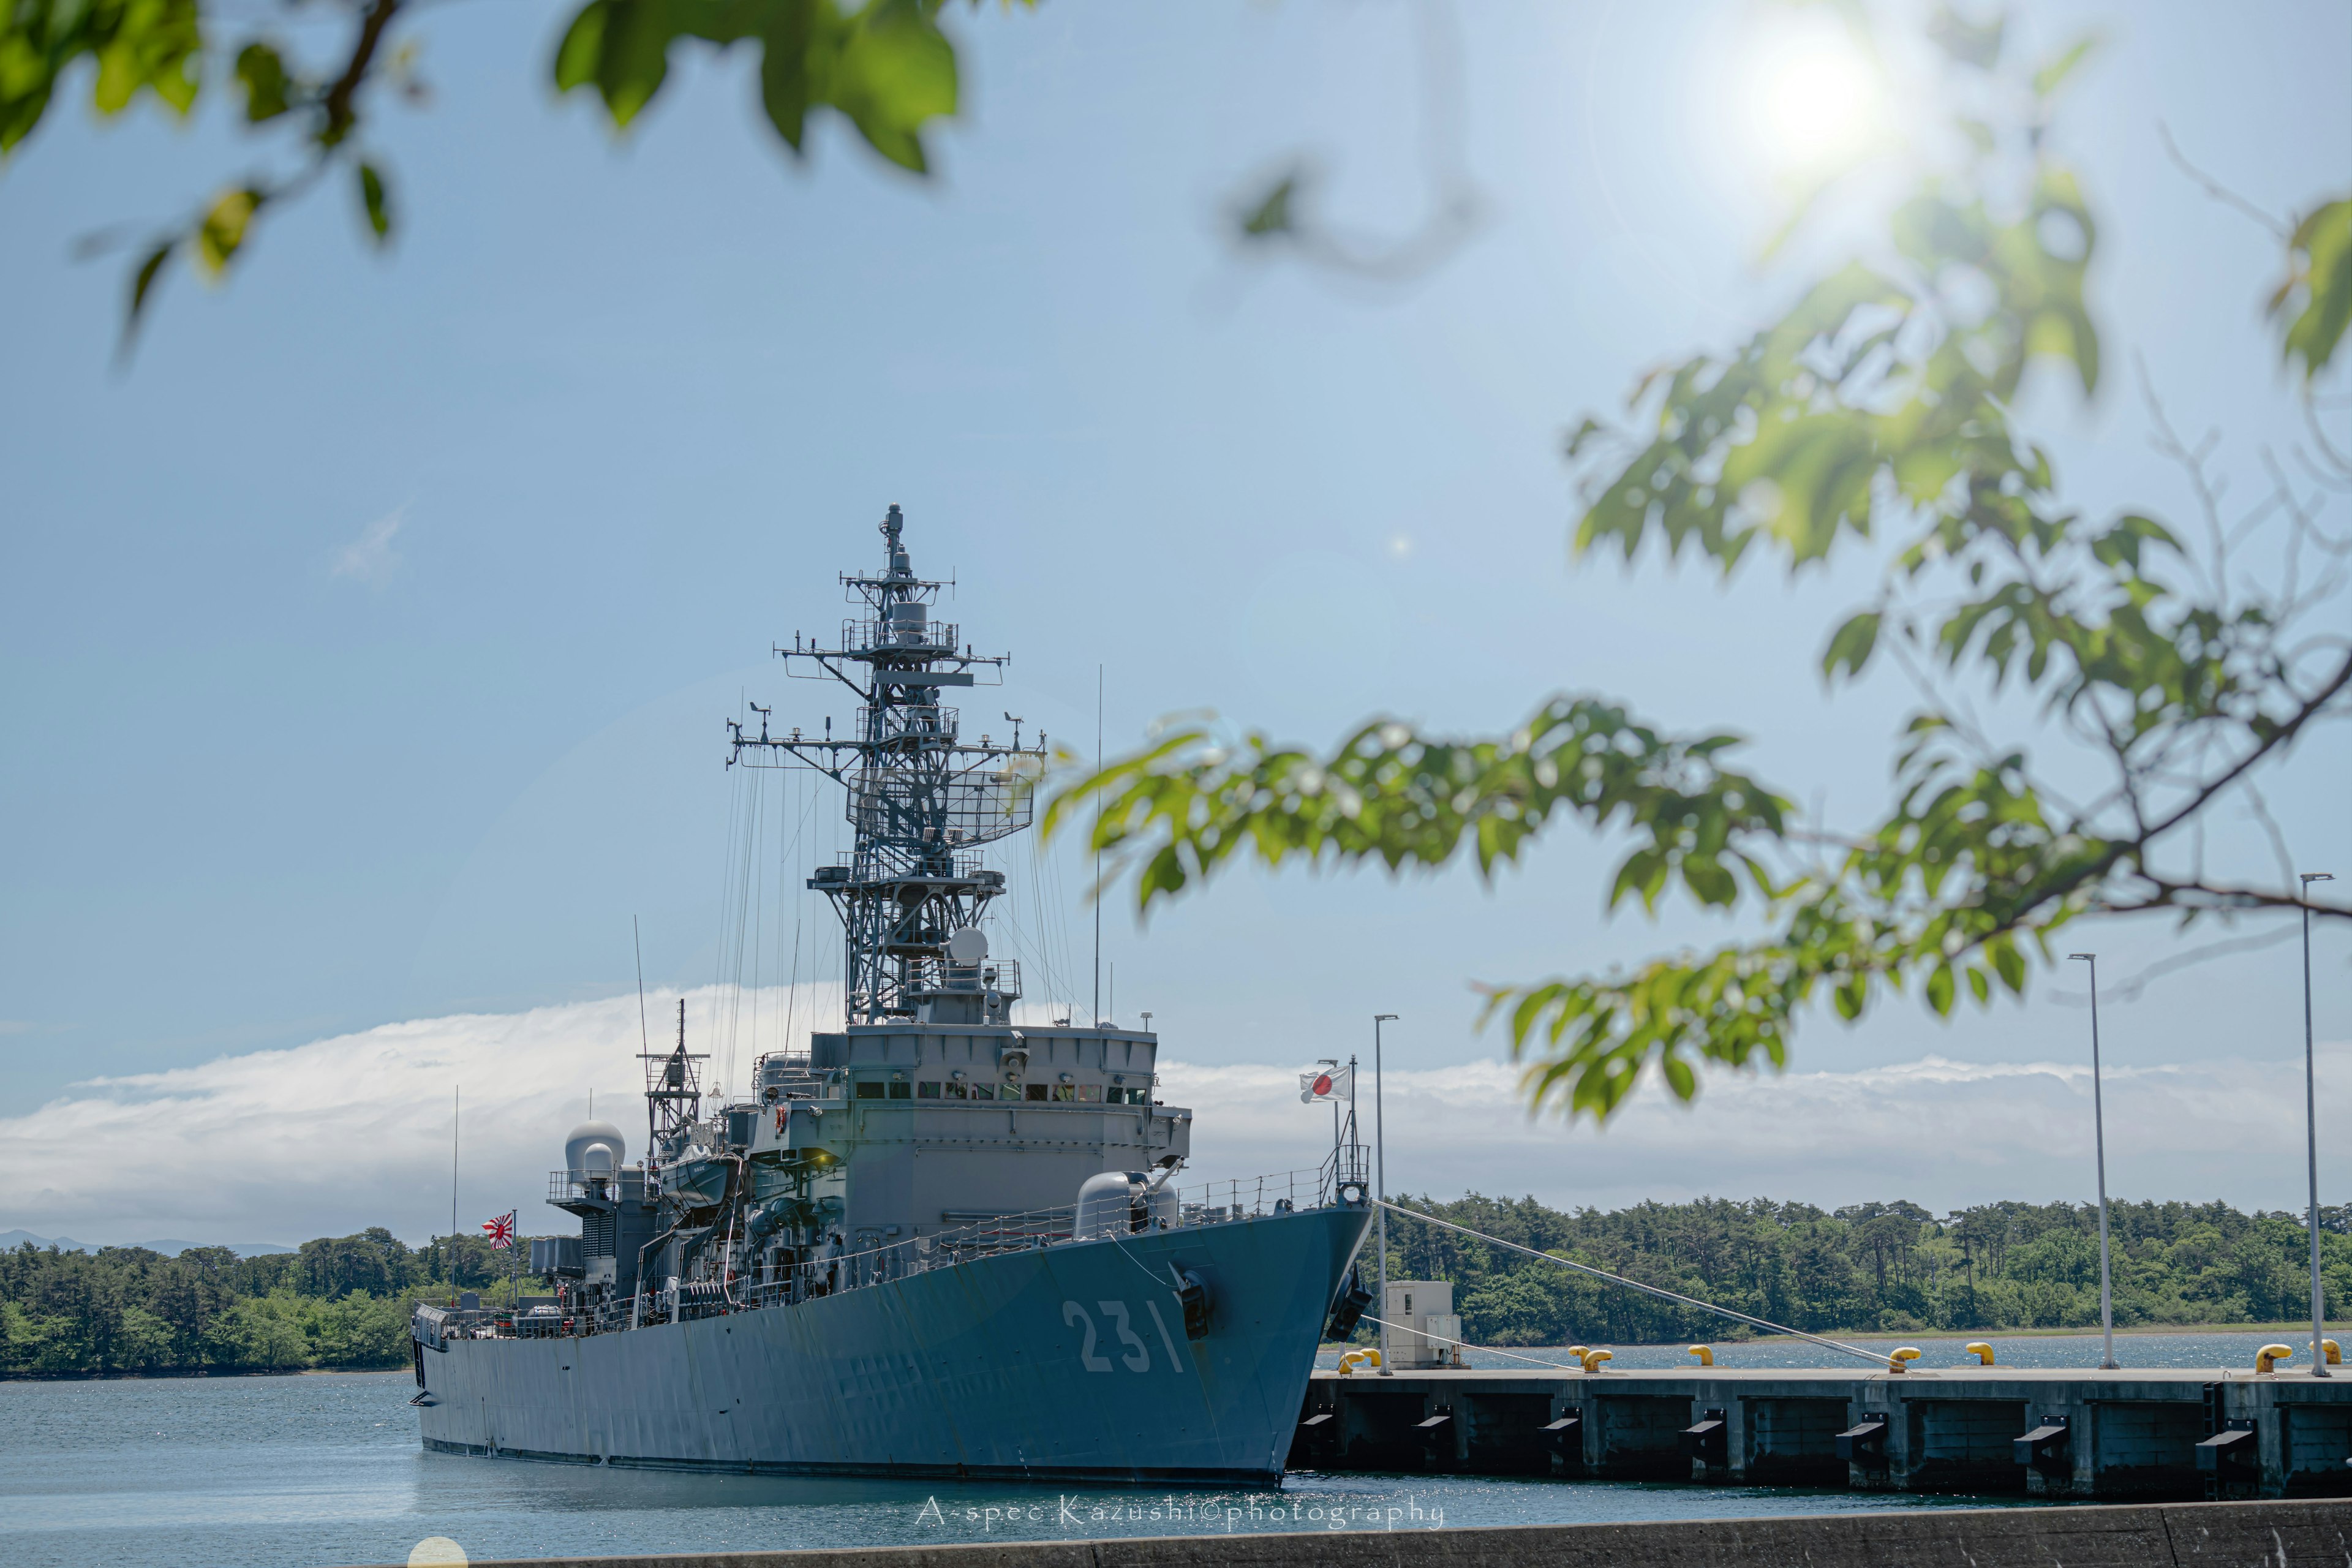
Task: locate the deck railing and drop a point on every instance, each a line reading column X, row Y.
column 855, row 1267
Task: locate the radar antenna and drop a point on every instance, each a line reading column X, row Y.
column 922, row 800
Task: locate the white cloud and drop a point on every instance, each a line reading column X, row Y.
column 1943, row 1133
column 324, row 1138
column 370, row 557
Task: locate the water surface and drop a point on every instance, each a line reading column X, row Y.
column 277, row 1472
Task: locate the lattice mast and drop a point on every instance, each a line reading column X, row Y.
column 921, row 801
column 673, row 1090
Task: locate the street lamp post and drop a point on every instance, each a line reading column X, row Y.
column 2311, row 1134
column 1381, row 1184
column 2099, row 1136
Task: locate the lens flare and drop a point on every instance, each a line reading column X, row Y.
column 1817, row 100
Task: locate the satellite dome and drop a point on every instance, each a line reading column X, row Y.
column 596, row 1147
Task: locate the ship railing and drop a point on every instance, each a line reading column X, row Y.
column 829, row 1272
column 868, row 634
column 1347, row 1164
column 564, row 1186
column 1001, row 975
column 857, row 1267
column 919, row 721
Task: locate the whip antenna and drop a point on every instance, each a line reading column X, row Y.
column 644, row 1042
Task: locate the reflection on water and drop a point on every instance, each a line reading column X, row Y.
column 278, row 1472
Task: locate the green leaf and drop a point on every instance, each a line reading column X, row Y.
column 1679, row 1077
column 261, row 71
column 2316, row 301
column 620, row 48
column 374, row 202
column 1272, row 216
column 1850, row 647
column 886, row 67
column 788, row 44
column 152, row 47
column 221, row 233
column 896, row 72
column 1940, row 989
column 2054, row 71
column 142, row 283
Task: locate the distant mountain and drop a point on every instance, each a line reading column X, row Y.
column 169, row 1248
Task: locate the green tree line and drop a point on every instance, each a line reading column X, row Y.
column 336, row 1302
column 1891, row 1267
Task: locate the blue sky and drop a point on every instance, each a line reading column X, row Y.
column 368, row 639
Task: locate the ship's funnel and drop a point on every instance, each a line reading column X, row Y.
column 594, row 1149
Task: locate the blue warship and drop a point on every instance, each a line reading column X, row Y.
column 933, row 1243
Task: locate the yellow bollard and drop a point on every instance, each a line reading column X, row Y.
column 1592, row 1359
column 1981, row 1351
column 1706, row 1354
column 1349, row 1361
column 2268, row 1355
column 2334, row 1352
column 1900, row 1361
column 1579, row 1353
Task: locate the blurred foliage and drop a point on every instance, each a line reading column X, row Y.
column 336, row 1302
column 1873, row 1267
column 885, row 65
column 1878, row 412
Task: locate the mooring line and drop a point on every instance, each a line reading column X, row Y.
column 1657, row 1290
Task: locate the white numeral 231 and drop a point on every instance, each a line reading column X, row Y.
column 1136, row 1356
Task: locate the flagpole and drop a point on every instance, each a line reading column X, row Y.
column 456, row 1103
column 1381, row 1182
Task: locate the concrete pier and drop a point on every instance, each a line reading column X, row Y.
column 2170, row 1535
column 2183, row 1434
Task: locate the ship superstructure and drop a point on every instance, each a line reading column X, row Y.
column 982, row 1215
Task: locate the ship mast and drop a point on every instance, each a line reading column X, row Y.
column 921, row 800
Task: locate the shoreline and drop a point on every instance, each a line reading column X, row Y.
column 199, row 1374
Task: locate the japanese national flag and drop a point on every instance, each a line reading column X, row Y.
column 1327, row 1083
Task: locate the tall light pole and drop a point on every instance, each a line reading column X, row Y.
column 2099, row 1134
column 2311, row 1134
column 1381, row 1184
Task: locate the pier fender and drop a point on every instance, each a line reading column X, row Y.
column 2045, row 1449
column 1863, row 1444
column 1707, row 1441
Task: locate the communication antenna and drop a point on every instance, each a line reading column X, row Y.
column 645, row 1040
column 1099, row 755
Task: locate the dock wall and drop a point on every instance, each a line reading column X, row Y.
column 2177, row 1535
column 2122, row 1435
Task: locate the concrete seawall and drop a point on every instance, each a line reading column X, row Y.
column 2205, row 1434
column 2170, row 1535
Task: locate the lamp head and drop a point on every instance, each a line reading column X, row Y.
column 2310, row 876
column 1384, row 1017
column 2088, row 957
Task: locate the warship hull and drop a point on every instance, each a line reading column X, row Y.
column 1062, row 1362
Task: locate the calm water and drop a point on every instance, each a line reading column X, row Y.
column 273, row 1471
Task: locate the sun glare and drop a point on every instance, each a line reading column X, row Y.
column 1817, row 99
